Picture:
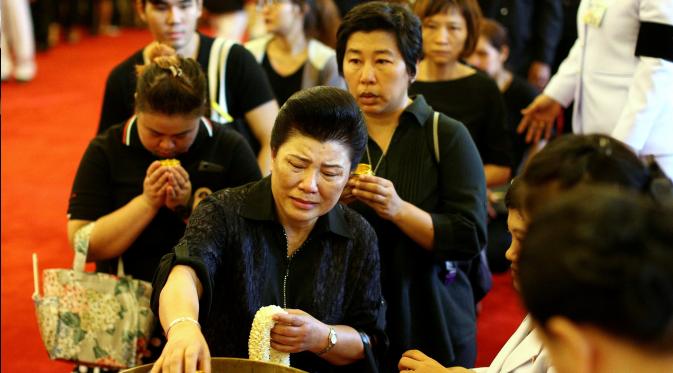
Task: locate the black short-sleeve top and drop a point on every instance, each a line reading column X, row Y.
column 476, row 101
column 112, row 171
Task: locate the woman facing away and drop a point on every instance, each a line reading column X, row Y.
column 567, row 163
column 596, row 275
column 291, row 56
column 281, row 241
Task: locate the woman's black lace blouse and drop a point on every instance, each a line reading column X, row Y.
column 237, row 247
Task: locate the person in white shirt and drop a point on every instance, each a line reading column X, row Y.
column 619, row 74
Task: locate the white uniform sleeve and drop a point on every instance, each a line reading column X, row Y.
column 563, row 84
column 652, row 87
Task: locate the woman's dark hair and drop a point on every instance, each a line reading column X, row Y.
column 514, row 195
column 389, row 17
column 603, row 257
column 573, row 160
column 495, row 33
column 324, row 114
column 171, row 85
column 469, row 9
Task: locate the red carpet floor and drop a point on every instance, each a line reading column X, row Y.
column 46, row 125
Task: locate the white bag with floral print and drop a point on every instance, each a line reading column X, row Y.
column 94, row 319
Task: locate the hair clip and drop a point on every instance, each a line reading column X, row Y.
column 605, row 146
column 176, row 71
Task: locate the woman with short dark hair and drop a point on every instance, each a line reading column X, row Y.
column 426, row 197
column 281, row 241
column 450, row 34
column 568, row 163
column 597, row 277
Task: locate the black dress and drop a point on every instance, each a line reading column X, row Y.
column 425, row 311
column 237, row 247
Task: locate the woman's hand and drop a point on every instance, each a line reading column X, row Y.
column 155, row 185
column 377, row 193
column 347, row 194
column 298, row 331
column 179, row 188
column 539, row 117
column 416, row 361
column 185, row 350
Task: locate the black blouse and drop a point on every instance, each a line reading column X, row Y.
column 423, row 311
column 237, row 247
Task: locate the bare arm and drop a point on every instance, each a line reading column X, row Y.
column 261, row 121
column 186, row 348
column 496, row 175
column 180, row 295
column 380, row 194
column 417, row 224
column 114, row 233
column 348, row 349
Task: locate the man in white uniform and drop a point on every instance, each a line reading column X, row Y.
column 620, row 75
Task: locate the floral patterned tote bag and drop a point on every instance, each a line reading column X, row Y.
column 94, row 319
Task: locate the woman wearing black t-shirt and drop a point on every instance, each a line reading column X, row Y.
column 450, row 30
column 290, row 56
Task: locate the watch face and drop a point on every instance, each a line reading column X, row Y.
column 332, row 336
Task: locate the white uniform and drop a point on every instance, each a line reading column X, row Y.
column 523, row 353
column 615, row 92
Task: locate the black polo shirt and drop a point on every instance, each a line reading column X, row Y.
column 112, row 171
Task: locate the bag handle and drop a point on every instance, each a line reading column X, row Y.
column 81, row 243
column 36, row 278
column 435, row 134
column 212, row 70
column 217, row 68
